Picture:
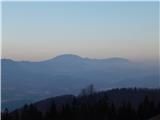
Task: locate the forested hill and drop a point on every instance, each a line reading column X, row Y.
column 118, row 96
column 116, row 104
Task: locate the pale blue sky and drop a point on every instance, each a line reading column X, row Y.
column 42, row 30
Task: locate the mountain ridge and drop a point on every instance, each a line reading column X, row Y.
column 71, row 56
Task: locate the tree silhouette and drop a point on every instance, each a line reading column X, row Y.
column 6, row 115
column 30, row 113
column 52, row 113
column 146, row 109
column 89, row 90
column 16, row 115
column 111, row 115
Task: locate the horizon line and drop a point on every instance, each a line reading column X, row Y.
column 83, row 57
column 66, row 54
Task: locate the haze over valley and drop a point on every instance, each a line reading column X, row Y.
column 25, row 81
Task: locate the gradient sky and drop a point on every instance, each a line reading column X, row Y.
column 42, row 30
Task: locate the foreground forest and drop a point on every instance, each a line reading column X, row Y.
column 116, row 104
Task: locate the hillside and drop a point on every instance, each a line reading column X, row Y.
column 118, row 96
column 116, row 104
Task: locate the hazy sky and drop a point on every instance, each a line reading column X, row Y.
column 42, row 30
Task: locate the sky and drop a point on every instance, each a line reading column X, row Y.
column 37, row 31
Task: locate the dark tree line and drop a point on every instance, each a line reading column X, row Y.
column 88, row 108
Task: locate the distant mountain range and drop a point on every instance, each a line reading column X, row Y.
column 67, row 74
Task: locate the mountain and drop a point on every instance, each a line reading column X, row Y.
column 68, row 74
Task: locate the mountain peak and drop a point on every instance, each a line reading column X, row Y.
column 67, row 56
